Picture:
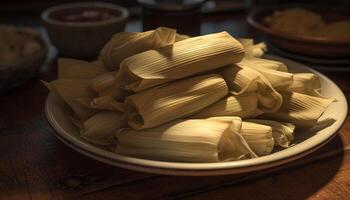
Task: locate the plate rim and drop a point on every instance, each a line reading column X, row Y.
column 177, row 168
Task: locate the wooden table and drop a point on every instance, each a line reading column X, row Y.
column 35, row 165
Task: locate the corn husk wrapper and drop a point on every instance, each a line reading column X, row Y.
column 115, row 92
column 101, row 127
column 70, row 90
column 243, row 106
column 282, row 132
column 300, row 109
column 185, row 58
column 124, row 45
column 279, row 80
column 104, row 85
column 240, row 80
column 180, row 37
column 174, row 100
column 78, row 69
column 102, row 103
column 193, row 140
column 258, row 136
column 306, row 83
column 260, row 63
column 253, row 50
column 103, row 81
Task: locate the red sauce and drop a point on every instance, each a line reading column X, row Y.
column 87, row 16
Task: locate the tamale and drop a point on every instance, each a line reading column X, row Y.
column 282, row 132
column 243, row 106
column 279, row 80
column 174, row 100
column 103, row 81
column 257, row 136
column 70, row 90
column 300, row 109
column 240, row 80
column 185, row 58
column 306, row 83
column 104, row 85
column 194, row 140
column 123, row 45
column 101, row 127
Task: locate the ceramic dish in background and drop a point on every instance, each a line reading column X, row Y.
column 305, row 45
column 30, row 58
column 58, row 115
column 83, row 37
column 320, row 64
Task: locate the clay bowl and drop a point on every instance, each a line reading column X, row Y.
column 83, row 39
column 305, row 45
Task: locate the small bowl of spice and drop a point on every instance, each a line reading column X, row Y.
column 81, row 29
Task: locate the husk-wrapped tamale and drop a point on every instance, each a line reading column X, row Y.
column 101, row 127
column 300, row 109
column 244, row 106
column 124, row 44
column 258, row 136
column 174, row 100
column 279, row 80
column 104, row 85
column 306, row 83
column 70, row 90
column 282, row 132
column 185, row 58
column 193, row 140
column 240, row 80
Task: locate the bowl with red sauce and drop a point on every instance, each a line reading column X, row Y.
column 80, row 30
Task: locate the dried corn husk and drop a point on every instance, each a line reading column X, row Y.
column 279, row 80
column 300, row 109
column 180, row 37
column 104, row 85
column 240, row 80
column 243, row 106
column 103, row 81
column 115, row 92
column 100, row 128
column 253, row 50
column 123, row 45
column 306, row 83
column 195, row 140
column 174, row 100
column 258, row 136
column 259, row 63
column 183, row 59
column 282, row 132
column 78, row 69
column 102, row 103
column 70, row 90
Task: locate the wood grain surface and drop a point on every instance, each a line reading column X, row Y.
column 35, row 165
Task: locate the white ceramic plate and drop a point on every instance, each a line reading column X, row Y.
column 58, row 115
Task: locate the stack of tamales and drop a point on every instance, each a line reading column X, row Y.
column 164, row 96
